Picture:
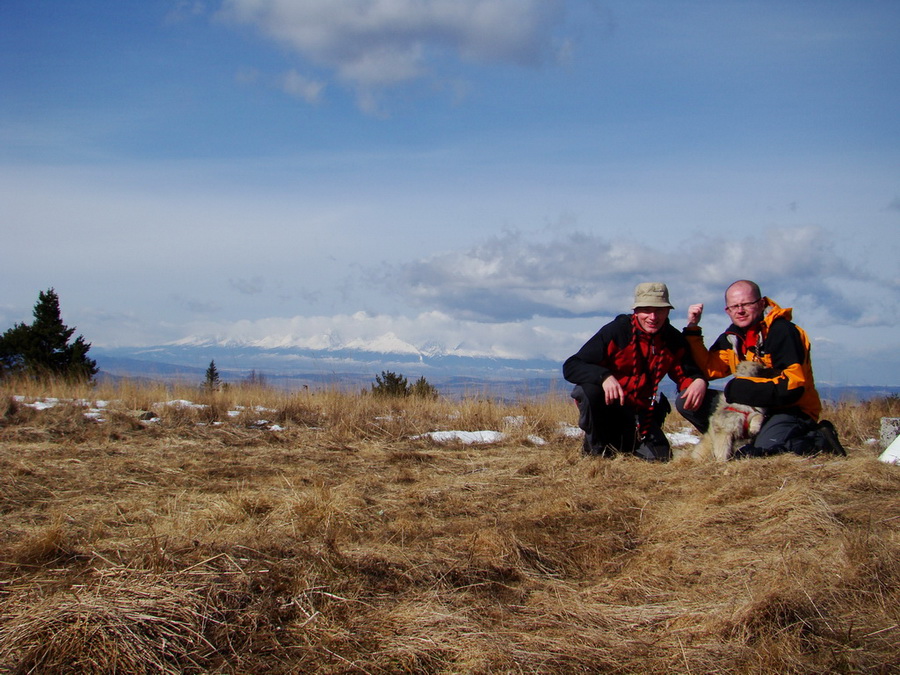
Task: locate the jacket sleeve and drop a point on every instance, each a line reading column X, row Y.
column 789, row 355
column 586, row 366
column 684, row 369
column 712, row 362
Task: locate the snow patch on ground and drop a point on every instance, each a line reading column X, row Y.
column 466, row 437
column 684, row 436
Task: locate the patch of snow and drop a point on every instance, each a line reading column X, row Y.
column 39, row 404
column 466, row 437
column 685, row 436
column 87, row 403
column 238, row 409
column 570, row 431
column 181, row 403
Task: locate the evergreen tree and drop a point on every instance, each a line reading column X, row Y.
column 212, row 377
column 390, row 384
column 394, row 384
column 422, row 388
column 43, row 348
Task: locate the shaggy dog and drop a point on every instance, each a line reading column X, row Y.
column 732, row 425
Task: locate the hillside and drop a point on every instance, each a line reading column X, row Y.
column 253, row 531
column 348, row 369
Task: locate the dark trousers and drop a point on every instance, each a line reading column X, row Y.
column 610, row 429
column 780, row 432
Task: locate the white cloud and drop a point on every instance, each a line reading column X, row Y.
column 513, row 277
column 372, row 44
column 302, row 87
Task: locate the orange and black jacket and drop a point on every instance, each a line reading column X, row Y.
column 781, row 346
column 636, row 359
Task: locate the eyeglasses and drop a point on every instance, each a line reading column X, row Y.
column 741, row 305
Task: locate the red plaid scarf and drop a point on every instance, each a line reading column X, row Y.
column 648, row 372
column 750, row 341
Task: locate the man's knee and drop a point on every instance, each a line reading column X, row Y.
column 585, row 396
column 608, row 429
column 587, row 392
column 584, row 408
column 784, row 433
column 699, row 417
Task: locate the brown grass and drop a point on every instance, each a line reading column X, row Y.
column 206, row 542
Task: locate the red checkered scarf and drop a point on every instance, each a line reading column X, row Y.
column 648, row 372
column 747, row 345
column 752, row 341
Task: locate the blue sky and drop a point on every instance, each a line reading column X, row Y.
column 487, row 176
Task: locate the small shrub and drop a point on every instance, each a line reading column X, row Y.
column 394, row 385
column 390, row 384
column 422, row 388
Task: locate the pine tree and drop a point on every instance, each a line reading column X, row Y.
column 212, row 377
column 390, row 384
column 43, row 348
column 422, row 388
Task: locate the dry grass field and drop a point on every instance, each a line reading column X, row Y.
column 268, row 532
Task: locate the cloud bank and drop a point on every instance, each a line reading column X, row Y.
column 375, row 44
column 512, row 277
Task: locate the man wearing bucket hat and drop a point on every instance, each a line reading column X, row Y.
column 762, row 331
column 617, row 374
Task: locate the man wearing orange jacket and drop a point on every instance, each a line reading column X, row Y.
column 762, row 331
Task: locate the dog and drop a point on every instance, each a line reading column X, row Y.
column 732, row 425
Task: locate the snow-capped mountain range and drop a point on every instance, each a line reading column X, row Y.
column 284, row 361
column 326, row 360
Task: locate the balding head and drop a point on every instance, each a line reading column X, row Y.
column 744, row 284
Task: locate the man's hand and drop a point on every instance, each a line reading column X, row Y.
column 693, row 395
column 613, row 391
column 694, row 314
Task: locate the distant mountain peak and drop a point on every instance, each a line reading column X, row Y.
column 388, row 343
